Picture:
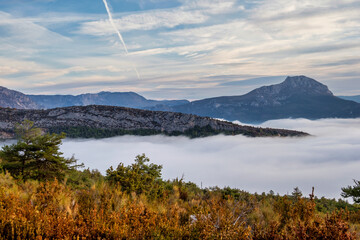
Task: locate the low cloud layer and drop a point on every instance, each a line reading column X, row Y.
column 328, row 160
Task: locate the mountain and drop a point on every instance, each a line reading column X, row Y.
column 13, row 99
column 296, row 97
column 106, row 121
column 123, row 99
column 351, row 98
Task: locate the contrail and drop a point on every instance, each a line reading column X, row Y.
column 119, row 34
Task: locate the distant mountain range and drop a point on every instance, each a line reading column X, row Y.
column 351, row 98
column 296, row 97
column 123, row 99
column 15, row 99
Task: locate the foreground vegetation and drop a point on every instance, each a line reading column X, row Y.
column 56, row 200
column 90, row 206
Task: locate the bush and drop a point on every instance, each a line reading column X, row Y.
column 139, row 177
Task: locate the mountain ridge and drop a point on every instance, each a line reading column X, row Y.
column 123, row 99
column 296, row 97
column 14, row 99
column 93, row 120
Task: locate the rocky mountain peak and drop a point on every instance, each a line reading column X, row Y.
column 292, row 86
column 278, row 94
column 306, row 85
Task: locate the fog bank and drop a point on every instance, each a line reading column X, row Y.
column 327, row 160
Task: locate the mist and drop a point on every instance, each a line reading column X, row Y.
column 329, row 159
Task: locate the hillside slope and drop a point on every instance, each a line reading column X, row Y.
column 14, row 99
column 111, row 121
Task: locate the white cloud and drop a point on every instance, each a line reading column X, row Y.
column 197, row 39
column 53, row 18
column 24, row 33
column 13, row 66
column 213, row 6
column 268, row 9
column 287, row 43
column 191, row 12
column 144, row 21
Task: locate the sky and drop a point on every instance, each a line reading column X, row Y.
column 183, row 49
column 327, row 160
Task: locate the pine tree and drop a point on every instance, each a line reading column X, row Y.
column 352, row 191
column 36, row 155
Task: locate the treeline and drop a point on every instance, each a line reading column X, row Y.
column 195, row 132
column 56, row 200
column 88, row 132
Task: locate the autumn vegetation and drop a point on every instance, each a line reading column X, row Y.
column 47, row 196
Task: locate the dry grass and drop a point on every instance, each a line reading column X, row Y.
column 53, row 210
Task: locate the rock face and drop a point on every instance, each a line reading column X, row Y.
column 296, row 97
column 108, row 117
column 300, row 85
column 123, row 99
column 13, row 99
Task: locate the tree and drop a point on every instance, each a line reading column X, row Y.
column 296, row 194
column 36, row 155
column 352, row 191
column 139, row 177
column 26, row 131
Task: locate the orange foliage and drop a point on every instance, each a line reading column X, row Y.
column 52, row 210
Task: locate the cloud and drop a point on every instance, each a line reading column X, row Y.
column 267, row 42
column 351, row 61
column 53, row 18
column 144, row 21
column 78, row 84
column 213, row 6
column 172, row 42
column 280, row 9
column 190, row 13
column 325, row 21
column 258, row 81
column 327, row 160
column 26, row 33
